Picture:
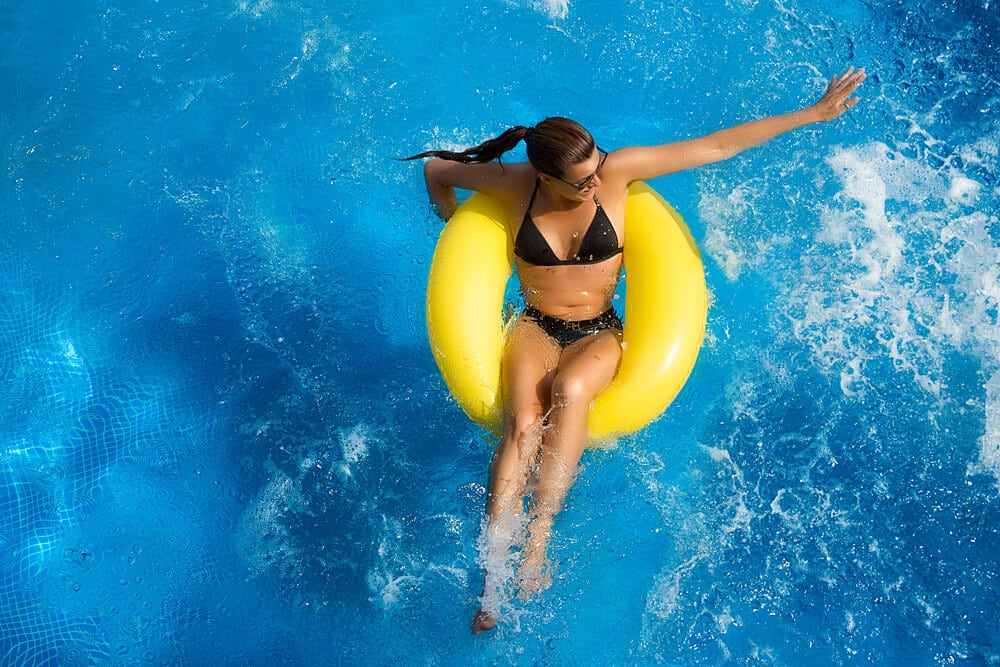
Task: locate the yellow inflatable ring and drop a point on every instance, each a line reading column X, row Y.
column 665, row 312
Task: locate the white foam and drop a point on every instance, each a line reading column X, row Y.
column 664, row 599
column 742, row 515
column 723, row 216
column 554, row 9
column 398, row 577
column 864, row 183
column 391, row 579
column 964, row 188
column 721, row 246
column 256, row 9
column 262, row 538
column 875, row 284
column 391, row 589
column 905, row 267
column 354, row 443
column 989, row 444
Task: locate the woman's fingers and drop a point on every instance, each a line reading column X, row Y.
column 837, row 98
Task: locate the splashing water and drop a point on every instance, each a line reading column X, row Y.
column 212, row 308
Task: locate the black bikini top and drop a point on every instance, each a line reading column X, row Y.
column 600, row 242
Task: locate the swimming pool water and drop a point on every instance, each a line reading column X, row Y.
column 223, row 438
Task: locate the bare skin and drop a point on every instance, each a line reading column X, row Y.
column 548, row 390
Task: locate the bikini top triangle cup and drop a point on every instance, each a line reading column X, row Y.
column 600, row 242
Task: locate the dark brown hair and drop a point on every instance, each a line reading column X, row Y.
column 552, row 146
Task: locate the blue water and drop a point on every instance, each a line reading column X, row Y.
column 223, row 439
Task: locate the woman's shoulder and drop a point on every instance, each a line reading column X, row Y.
column 517, row 182
column 520, row 173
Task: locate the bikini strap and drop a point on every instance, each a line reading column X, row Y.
column 533, row 193
column 527, row 211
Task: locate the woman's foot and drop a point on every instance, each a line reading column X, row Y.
column 534, row 576
column 482, row 622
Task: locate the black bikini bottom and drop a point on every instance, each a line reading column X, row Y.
column 566, row 332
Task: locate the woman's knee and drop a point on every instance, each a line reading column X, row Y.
column 569, row 390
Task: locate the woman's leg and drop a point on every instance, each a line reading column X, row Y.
column 585, row 370
column 528, row 367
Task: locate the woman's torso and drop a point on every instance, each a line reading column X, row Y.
column 573, row 290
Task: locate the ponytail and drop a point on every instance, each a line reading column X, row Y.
column 552, row 146
column 484, row 152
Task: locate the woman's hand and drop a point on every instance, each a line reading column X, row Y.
column 444, row 202
column 837, row 98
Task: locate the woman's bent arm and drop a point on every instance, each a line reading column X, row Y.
column 443, row 176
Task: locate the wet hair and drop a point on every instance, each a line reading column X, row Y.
column 553, row 145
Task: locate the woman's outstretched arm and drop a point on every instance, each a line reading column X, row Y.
column 645, row 162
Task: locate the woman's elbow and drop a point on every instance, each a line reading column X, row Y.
column 721, row 151
column 432, row 171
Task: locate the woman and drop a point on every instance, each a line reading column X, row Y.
column 566, row 210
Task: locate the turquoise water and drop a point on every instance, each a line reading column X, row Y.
column 222, row 435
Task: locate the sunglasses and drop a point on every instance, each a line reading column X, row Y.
column 585, row 183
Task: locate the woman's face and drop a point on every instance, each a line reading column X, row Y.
column 580, row 180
